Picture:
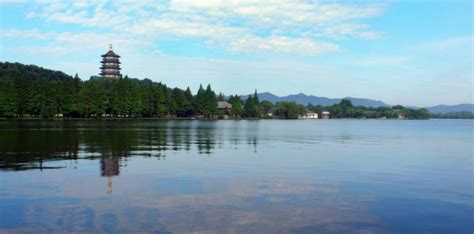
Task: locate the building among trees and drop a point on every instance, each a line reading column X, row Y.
column 309, row 115
column 223, row 105
column 110, row 64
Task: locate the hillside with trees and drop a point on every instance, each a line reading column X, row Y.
column 30, row 91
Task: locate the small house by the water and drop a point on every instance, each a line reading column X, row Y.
column 224, row 109
column 223, row 105
column 325, row 115
column 309, row 115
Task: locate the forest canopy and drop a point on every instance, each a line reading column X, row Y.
column 32, row 91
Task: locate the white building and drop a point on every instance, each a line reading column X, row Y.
column 309, row 115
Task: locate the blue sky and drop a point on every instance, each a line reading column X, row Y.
column 402, row 52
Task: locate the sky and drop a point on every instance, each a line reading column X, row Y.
column 401, row 52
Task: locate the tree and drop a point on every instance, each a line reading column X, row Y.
column 190, row 99
column 210, row 102
column 94, row 99
column 199, row 101
column 205, row 102
column 148, row 98
column 68, row 97
column 23, row 91
column 251, row 107
column 182, row 103
column 48, row 105
column 237, row 105
column 8, row 98
column 345, row 103
column 220, row 97
column 135, row 100
column 266, row 106
column 288, row 110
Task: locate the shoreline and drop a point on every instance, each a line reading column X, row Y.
column 209, row 119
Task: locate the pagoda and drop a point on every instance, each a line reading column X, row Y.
column 110, row 64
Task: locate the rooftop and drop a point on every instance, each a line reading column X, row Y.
column 224, row 105
column 110, row 53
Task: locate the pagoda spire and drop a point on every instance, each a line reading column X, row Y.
column 110, row 46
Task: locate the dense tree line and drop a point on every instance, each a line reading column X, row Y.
column 345, row 109
column 27, row 90
column 248, row 108
column 453, row 115
column 31, row 91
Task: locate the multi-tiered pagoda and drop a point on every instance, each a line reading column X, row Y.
column 110, row 64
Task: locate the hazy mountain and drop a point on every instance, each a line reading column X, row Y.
column 304, row 99
column 453, row 108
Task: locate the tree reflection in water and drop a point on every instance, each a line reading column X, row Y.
column 309, row 176
column 27, row 145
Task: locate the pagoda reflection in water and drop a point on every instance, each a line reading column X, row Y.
column 109, row 166
column 111, row 143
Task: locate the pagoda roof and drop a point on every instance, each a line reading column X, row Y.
column 110, row 53
column 110, row 61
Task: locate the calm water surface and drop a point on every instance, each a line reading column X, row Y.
column 268, row 176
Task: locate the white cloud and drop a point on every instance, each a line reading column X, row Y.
column 34, row 34
column 55, row 6
column 461, row 42
column 82, row 4
column 383, row 60
column 299, row 46
column 345, row 30
column 67, row 43
column 298, row 27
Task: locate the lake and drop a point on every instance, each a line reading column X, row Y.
column 261, row 176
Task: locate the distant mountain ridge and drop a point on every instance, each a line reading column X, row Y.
column 451, row 108
column 304, row 99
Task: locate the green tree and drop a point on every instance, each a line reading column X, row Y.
column 199, row 101
column 346, row 103
column 252, row 106
column 68, row 97
column 237, row 105
column 8, row 98
column 23, row 91
column 183, row 105
column 210, row 102
column 221, row 97
column 288, row 110
column 266, row 106
column 190, row 99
